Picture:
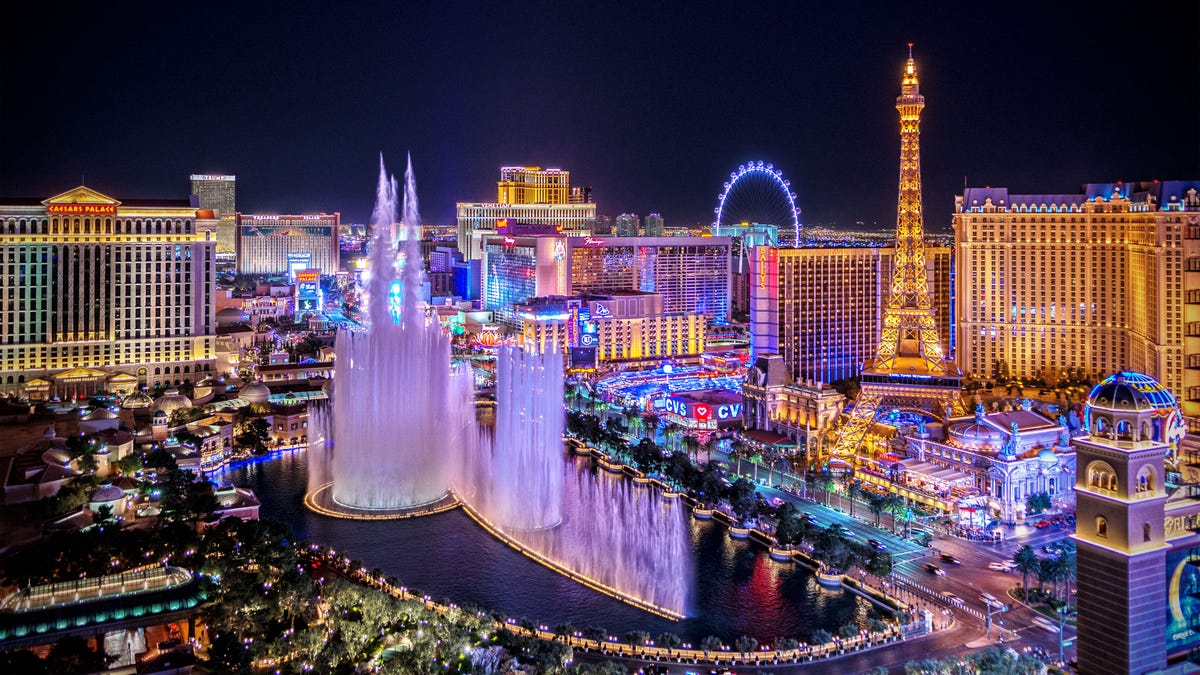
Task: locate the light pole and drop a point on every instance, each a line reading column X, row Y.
column 1063, row 615
column 993, row 607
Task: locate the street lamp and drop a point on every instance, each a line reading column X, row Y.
column 993, row 607
column 1063, row 615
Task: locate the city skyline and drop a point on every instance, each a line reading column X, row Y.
column 651, row 114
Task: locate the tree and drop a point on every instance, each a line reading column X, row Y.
column 737, row 451
column 102, row 514
column 564, row 631
column 691, row 444
column 820, row 636
column 741, row 498
column 73, row 655
column 637, row 638
column 848, row 631
column 827, row 484
column 786, row 644
column 1027, row 563
column 787, row 529
column 1037, row 503
column 876, row 504
column 255, row 435
column 669, row 641
column 710, row 643
column 745, row 644
column 854, row 490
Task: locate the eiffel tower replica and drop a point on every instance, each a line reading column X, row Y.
column 910, row 371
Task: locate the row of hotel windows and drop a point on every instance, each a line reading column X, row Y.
column 95, row 226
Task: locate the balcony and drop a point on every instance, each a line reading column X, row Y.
column 1193, row 329
column 1193, row 394
column 1192, row 296
column 1193, row 362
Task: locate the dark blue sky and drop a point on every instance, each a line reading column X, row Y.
column 650, row 103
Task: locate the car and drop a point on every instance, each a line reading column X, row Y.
column 1000, row 566
column 812, row 520
column 1042, row 524
column 935, row 570
column 949, row 559
column 988, row 599
column 776, row 501
column 877, row 545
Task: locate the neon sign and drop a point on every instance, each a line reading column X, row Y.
column 602, row 311
column 729, row 412
column 90, row 209
column 592, row 241
column 510, row 241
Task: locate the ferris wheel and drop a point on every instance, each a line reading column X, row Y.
column 758, row 193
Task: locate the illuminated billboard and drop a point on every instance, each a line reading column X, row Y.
column 1183, row 602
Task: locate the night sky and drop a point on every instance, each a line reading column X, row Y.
column 652, row 104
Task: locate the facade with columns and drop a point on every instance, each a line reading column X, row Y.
column 998, row 460
column 93, row 288
column 802, row 412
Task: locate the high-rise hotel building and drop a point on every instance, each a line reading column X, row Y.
column 1086, row 284
column 530, row 195
column 96, row 291
column 821, row 309
column 219, row 194
column 690, row 273
column 279, row 244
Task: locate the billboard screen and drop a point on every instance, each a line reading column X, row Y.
column 1183, row 603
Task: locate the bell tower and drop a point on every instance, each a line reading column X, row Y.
column 1119, row 528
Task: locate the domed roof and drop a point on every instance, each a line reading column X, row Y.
column 255, row 392
column 1047, row 456
column 231, row 315
column 138, row 399
column 172, row 400
column 57, row 456
column 1128, row 391
column 976, row 432
column 106, row 493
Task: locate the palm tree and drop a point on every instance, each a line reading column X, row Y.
column 710, row 643
column 745, row 644
column 737, row 450
column 820, row 636
column 875, row 502
column 811, row 481
column 893, row 503
column 691, row 444
column 650, row 423
column 854, row 490
column 669, row 641
column 827, row 484
column 1027, row 563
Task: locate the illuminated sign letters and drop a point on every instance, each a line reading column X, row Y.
column 677, row 407
column 602, row 311
column 729, row 412
column 90, row 209
column 592, row 241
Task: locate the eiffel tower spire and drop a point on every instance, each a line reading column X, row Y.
column 910, row 372
column 909, row 322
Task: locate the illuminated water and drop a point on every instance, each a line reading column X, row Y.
column 515, row 479
column 399, row 412
column 736, row 588
column 521, row 480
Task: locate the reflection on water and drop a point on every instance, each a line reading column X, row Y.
column 738, row 590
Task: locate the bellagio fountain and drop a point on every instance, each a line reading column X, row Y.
column 400, row 439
